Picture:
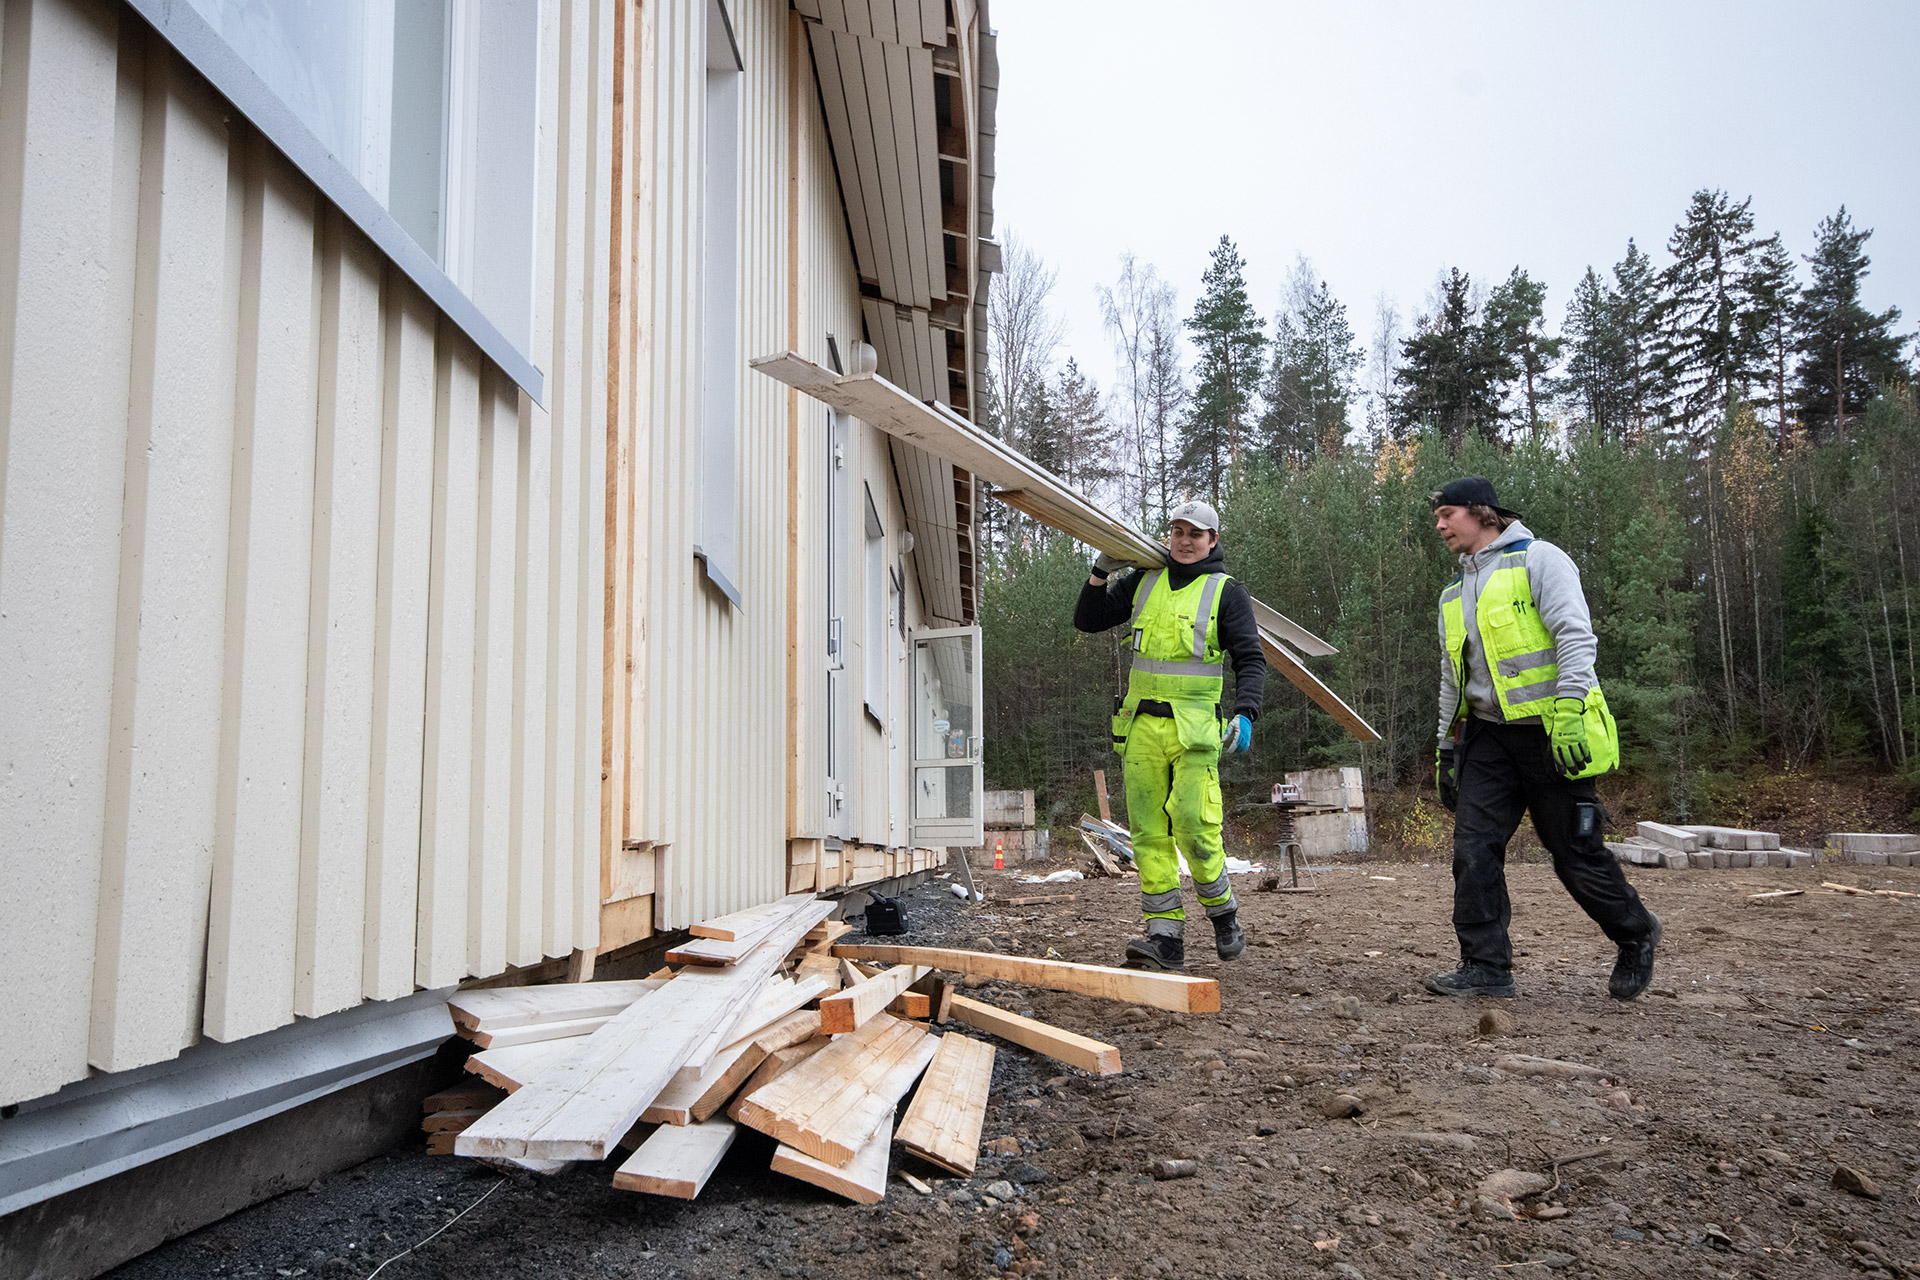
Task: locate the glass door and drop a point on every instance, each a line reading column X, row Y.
column 947, row 743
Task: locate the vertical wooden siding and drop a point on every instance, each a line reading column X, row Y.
column 300, row 637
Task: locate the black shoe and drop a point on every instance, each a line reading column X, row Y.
column 1157, row 951
column 1634, row 969
column 1471, row 980
column 1229, row 940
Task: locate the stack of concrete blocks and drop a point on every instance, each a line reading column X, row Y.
column 1875, row 848
column 1332, row 818
column 1656, row 844
column 1008, row 816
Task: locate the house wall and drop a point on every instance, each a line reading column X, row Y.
column 299, row 642
column 724, row 740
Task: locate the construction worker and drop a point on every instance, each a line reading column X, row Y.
column 1523, row 728
column 1188, row 620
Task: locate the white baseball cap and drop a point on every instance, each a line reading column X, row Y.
column 1198, row 514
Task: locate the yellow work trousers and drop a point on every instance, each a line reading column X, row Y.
column 1173, row 798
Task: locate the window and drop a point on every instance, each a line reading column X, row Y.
column 877, row 614
column 719, row 522
column 418, row 118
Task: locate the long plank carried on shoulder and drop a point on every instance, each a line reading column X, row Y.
column 943, row 1123
column 677, row 1161
column 828, row 1104
column 580, row 1107
column 1070, row 1047
column 1288, row 664
column 852, row 1008
column 863, row 1179
column 1175, row 991
column 496, row 1008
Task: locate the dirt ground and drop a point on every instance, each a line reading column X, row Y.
column 1779, row 1040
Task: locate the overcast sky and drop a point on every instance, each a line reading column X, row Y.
column 1386, row 141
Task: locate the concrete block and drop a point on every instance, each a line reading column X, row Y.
column 1700, row 860
column 1871, row 857
column 1671, row 837
column 1739, row 859
column 1768, row 839
column 1798, row 857
column 1901, row 859
column 1675, row 860
column 1720, row 859
column 1876, row 841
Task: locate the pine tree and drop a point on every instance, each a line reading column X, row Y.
column 1516, row 327
column 1597, row 377
column 1166, row 406
column 1450, row 374
column 1774, row 319
column 1230, row 338
column 1083, row 433
column 1312, row 371
column 1637, row 316
column 1847, row 352
column 1708, row 347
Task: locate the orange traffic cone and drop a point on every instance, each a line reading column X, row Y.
column 999, row 853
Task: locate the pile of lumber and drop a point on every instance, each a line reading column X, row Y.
column 1657, row 844
column 770, row 1023
column 1110, row 844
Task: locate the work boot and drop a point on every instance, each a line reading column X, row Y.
column 1157, row 951
column 1228, row 938
column 1634, row 969
column 1471, row 979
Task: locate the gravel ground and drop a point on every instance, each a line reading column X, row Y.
column 1777, row 1045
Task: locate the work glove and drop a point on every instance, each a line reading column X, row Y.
column 1105, row 565
column 1238, row 735
column 1445, row 780
column 1570, row 751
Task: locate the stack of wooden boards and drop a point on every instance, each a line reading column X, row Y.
column 771, row 1024
column 1110, row 844
column 1331, row 817
column 1008, row 818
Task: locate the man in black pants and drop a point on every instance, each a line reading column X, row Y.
column 1523, row 728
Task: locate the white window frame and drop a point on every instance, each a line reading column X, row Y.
column 718, row 525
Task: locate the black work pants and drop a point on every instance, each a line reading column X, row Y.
column 1505, row 770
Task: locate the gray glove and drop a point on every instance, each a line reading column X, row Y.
column 1105, row 566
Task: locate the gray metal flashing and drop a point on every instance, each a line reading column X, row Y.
column 181, row 26
column 106, row 1124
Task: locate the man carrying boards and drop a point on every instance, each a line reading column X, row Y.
column 1523, row 728
column 1188, row 621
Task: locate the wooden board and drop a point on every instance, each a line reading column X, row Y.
column 471, row 1096
column 516, row 1065
column 862, row 1179
column 778, row 1063
column 710, row 951
column 1070, row 1047
column 851, row 1008
column 675, row 1103
column 752, row 924
column 581, row 1106
column 450, row 1121
column 677, row 1161
column 943, row 1123
column 535, row 1032
column 911, row 1004
column 795, row 1028
column 774, row 1005
column 497, row 1008
column 1285, row 629
column 1288, row 664
column 828, row 1104
column 1174, row 991
column 1100, row 794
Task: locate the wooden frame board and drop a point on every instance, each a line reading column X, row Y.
column 1070, row 1047
column 828, row 1104
column 1174, row 991
column 943, row 1123
column 677, row 1161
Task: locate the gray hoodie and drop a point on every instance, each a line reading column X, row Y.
column 1562, row 607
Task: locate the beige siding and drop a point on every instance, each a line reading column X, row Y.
column 300, row 640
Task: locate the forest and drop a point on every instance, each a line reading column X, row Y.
column 1726, row 440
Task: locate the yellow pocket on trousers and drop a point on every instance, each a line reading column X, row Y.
column 1212, row 807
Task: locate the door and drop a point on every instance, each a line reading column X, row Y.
column 944, row 786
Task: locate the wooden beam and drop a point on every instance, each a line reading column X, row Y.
column 1174, row 991
column 943, row 1123
column 535, row 1032
column 580, row 1107
column 829, row 1104
column 752, row 924
column 517, row 1065
column 496, row 1008
column 677, row 1161
column 1100, row 794
column 1070, row 1047
column 850, row 1009
column 862, row 1179
column 778, row 1063
column 1288, row 664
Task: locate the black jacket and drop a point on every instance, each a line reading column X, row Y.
column 1101, row 608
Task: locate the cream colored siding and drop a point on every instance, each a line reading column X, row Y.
column 300, row 610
